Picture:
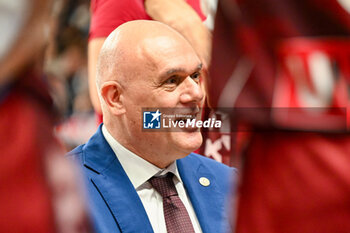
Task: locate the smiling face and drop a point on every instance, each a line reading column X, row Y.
column 170, row 79
column 164, row 73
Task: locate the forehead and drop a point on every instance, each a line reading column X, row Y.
column 165, row 53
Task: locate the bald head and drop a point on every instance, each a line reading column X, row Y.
column 130, row 49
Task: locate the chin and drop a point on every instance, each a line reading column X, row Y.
column 188, row 142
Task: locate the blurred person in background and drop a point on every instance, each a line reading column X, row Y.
column 66, row 65
column 283, row 68
column 184, row 16
column 38, row 189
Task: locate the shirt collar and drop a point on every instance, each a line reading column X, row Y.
column 137, row 169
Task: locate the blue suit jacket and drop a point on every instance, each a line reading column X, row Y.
column 116, row 207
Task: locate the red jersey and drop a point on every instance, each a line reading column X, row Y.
column 288, row 62
column 281, row 54
column 25, row 137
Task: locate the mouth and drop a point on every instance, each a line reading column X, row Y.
column 184, row 116
column 188, row 120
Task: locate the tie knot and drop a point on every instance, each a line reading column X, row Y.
column 164, row 185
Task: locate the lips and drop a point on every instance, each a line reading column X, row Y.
column 181, row 119
column 186, row 116
column 189, row 117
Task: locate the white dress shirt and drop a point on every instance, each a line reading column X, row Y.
column 139, row 172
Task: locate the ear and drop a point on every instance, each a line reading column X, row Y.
column 111, row 93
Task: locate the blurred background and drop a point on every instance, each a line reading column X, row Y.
column 293, row 178
column 66, row 70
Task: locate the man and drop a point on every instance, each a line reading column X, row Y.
column 148, row 64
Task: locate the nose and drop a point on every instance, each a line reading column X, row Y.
column 192, row 91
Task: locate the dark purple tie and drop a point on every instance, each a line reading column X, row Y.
column 176, row 217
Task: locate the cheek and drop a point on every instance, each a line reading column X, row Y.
column 142, row 97
column 133, row 115
column 167, row 99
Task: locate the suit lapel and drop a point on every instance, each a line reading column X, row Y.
column 115, row 187
column 208, row 201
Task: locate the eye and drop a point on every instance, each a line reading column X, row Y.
column 172, row 80
column 196, row 76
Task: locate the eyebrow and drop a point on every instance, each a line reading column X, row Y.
column 180, row 70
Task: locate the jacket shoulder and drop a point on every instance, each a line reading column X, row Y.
column 210, row 163
column 76, row 154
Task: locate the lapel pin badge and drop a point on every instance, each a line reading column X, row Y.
column 204, row 181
